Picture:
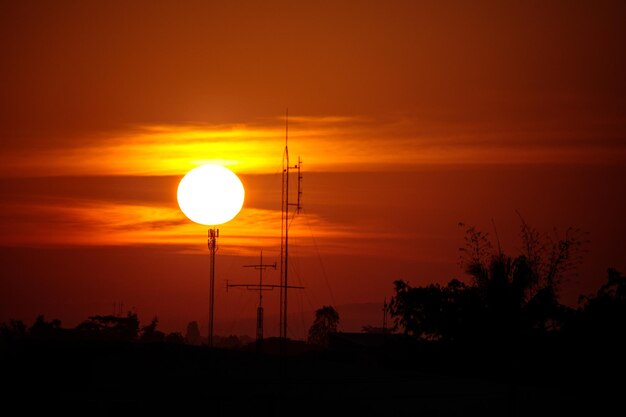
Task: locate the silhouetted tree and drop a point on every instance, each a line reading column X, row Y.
column 43, row 329
column 192, row 336
column 435, row 312
column 175, row 338
column 149, row 333
column 543, row 262
column 603, row 315
column 13, row 330
column 326, row 322
column 375, row 330
column 110, row 327
column 228, row 342
column 507, row 297
column 521, row 293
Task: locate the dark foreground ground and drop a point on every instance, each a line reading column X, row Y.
column 119, row 379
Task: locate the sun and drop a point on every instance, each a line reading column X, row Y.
column 210, row 195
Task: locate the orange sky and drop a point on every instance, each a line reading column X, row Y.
column 411, row 116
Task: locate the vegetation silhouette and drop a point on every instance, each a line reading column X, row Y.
column 507, row 323
column 45, row 330
column 326, row 322
column 509, row 297
column 368, row 328
column 110, row 328
column 499, row 344
column 192, row 335
column 150, row 334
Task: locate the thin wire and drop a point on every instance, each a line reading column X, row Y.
column 228, row 267
column 302, row 314
column 238, row 315
column 301, row 282
column 319, row 258
column 294, row 264
column 298, row 278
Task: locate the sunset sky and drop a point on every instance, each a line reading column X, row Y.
column 410, row 117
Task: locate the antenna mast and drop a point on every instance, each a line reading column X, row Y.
column 260, row 287
column 212, row 236
column 284, row 243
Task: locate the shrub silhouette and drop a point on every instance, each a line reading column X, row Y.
column 326, row 322
column 112, row 328
column 508, row 297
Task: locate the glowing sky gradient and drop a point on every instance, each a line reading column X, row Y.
column 410, row 116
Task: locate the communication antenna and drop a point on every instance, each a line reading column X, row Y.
column 260, row 287
column 212, row 236
column 285, row 220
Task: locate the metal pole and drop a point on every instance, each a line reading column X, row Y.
column 286, row 260
column 212, row 242
column 260, row 287
column 259, row 311
column 284, row 244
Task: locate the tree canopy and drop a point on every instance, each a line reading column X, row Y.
column 326, row 322
column 507, row 297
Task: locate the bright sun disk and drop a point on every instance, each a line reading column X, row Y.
column 210, row 195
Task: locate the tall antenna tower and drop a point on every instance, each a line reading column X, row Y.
column 285, row 221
